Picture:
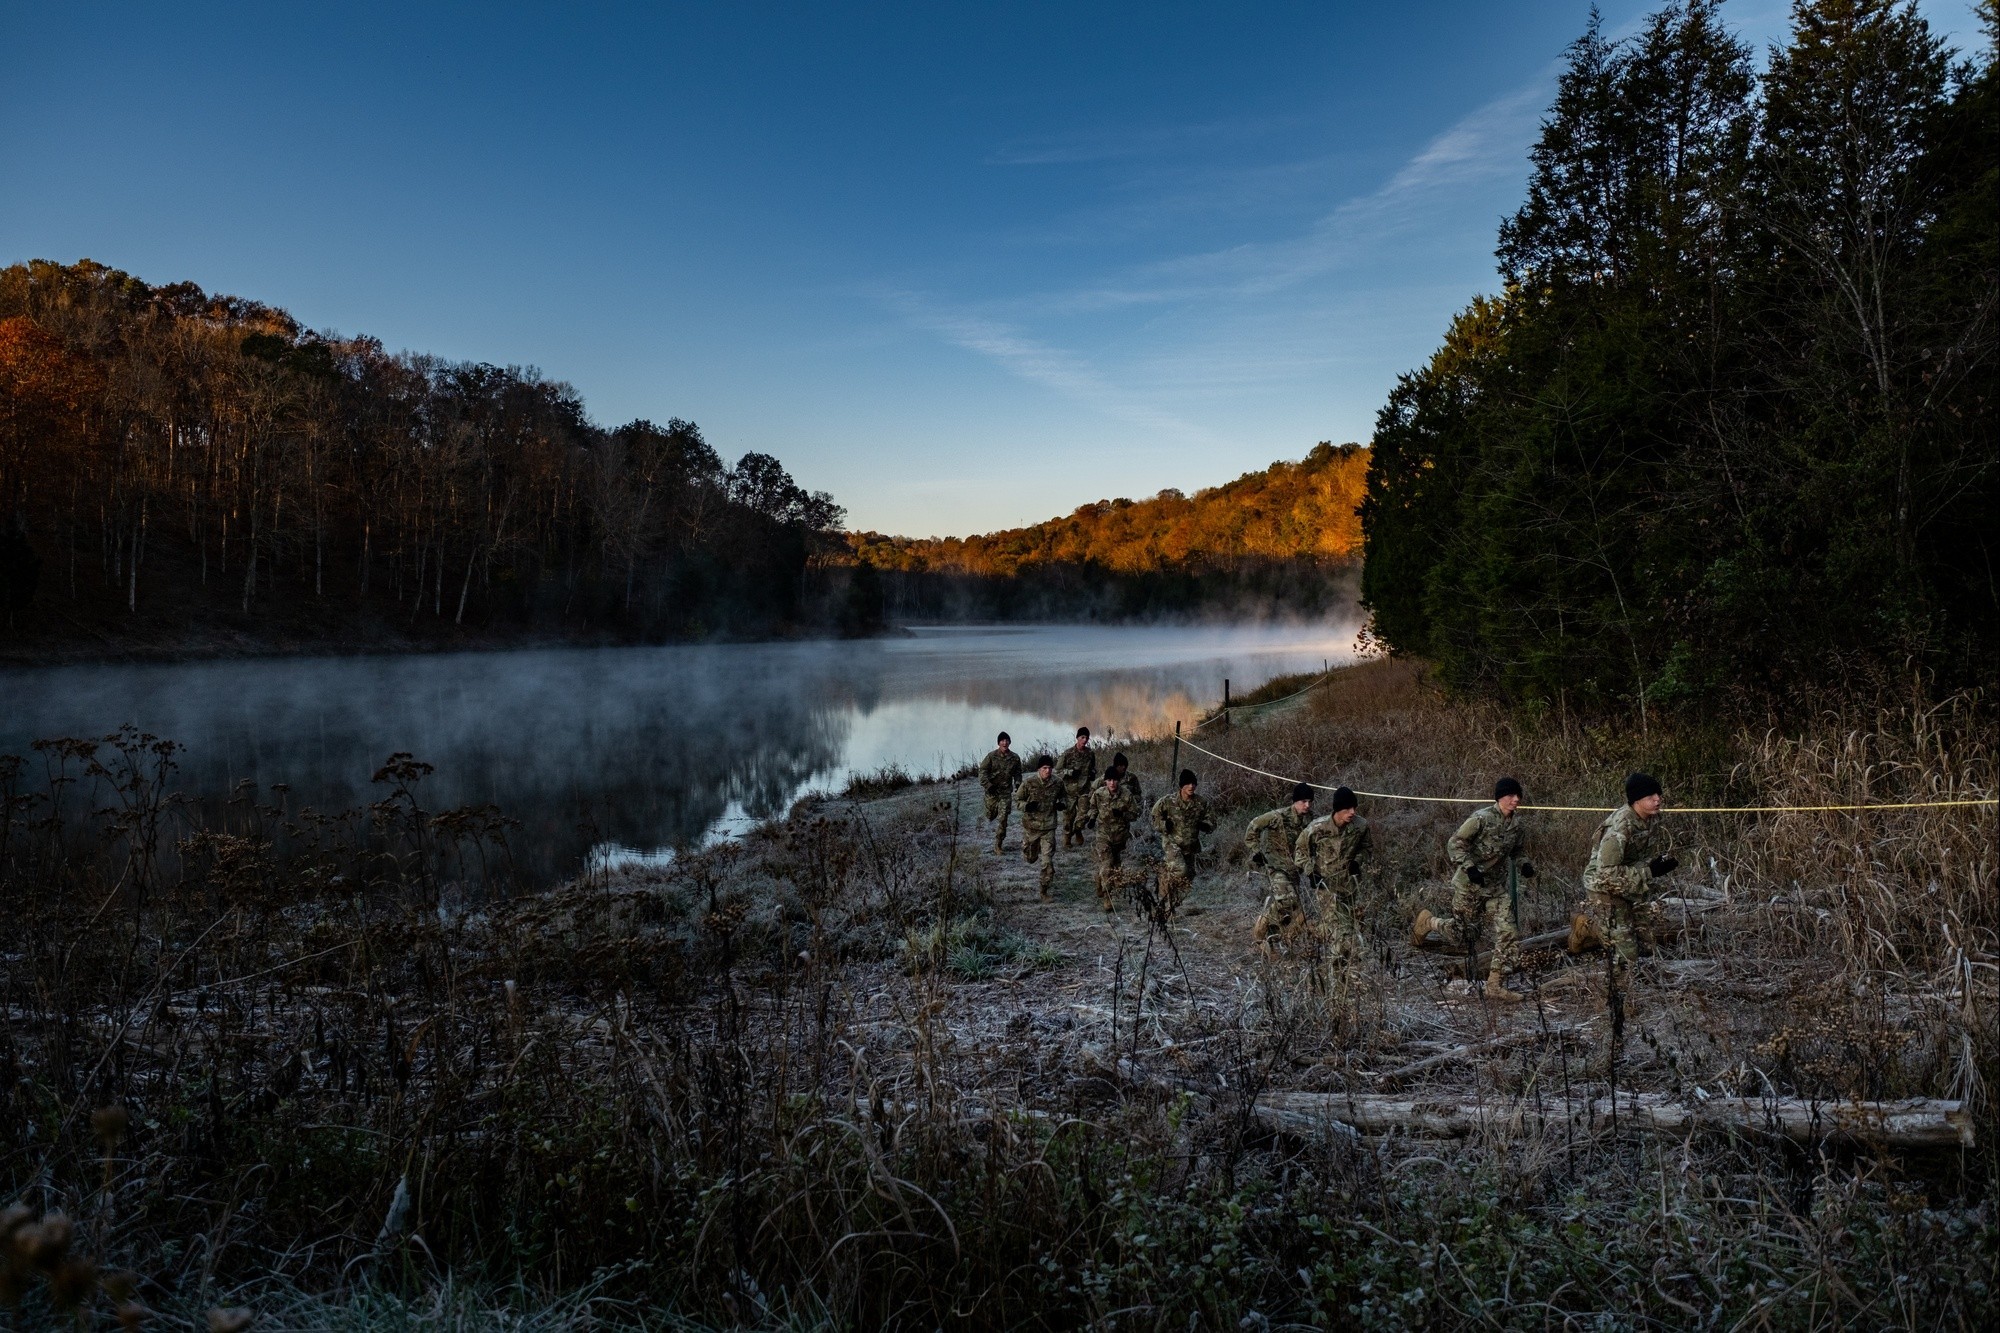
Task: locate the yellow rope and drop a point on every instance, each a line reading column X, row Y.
column 1607, row 809
column 1221, row 713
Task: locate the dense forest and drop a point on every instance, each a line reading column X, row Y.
column 1726, row 433
column 1280, row 541
column 185, row 472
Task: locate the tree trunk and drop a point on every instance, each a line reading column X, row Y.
column 1914, row 1123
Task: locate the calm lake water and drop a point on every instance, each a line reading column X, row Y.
column 632, row 752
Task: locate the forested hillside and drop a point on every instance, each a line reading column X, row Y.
column 1282, row 540
column 188, row 472
column 1727, row 430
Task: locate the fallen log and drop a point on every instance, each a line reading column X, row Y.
column 1484, row 959
column 1433, row 943
column 1916, row 1123
column 1683, row 907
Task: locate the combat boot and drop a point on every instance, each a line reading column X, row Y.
column 1583, row 933
column 1421, row 928
column 1496, row 989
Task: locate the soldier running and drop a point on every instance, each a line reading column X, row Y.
column 1114, row 809
column 1334, row 853
column 1625, row 856
column 999, row 774
column 1042, row 800
column 1282, row 923
column 1486, row 848
column 1126, row 777
column 1078, row 769
column 1180, row 817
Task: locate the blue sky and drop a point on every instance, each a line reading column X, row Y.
column 965, row 266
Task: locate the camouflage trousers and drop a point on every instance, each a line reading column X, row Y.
column 1282, row 926
column 1340, row 938
column 1623, row 921
column 1469, row 904
column 1074, row 813
column 1176, row 879
column 1039, row 844
column 999, row 809
column 1109, row 853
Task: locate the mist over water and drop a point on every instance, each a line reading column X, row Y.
column 635, row 751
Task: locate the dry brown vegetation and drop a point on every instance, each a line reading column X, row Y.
column 848, row 1072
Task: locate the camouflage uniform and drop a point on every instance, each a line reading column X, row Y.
column 999, row 774
column 1339, row 855
column 1114, row 813
column 1488, row 840
column 1041, row 801
column 1181, row 820
column 1076, row 769
column 1617, row 877
column 1282, row 919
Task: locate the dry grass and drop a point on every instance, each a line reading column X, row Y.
column 847, row 1073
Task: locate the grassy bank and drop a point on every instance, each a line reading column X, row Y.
column 849, row 1072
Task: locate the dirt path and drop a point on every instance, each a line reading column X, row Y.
column 1128, row 1002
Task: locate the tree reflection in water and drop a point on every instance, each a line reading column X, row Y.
column 637, row 750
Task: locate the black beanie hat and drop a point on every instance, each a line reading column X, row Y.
column 1639, row 786
column 1120, row 762
column 1507, row 787
column 1302, row 792
column 1188, row 779
column 1004, row 737
column 1043, row 761
column 1083, row 733
column 1343, row 799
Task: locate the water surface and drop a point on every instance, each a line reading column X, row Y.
column 636, row 751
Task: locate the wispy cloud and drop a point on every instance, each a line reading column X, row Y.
column 1125, row 143
column 1037, row 362
column 1245, row 318
column 1486, row 145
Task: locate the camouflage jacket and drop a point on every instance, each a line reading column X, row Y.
column 1486, row 839
column 999, row 772
column 1287, row 824
column 1620, row 851
column 1115, row 812
column 1039, row 800
column 1181, row 822
column 1075, row 768
column 1327, row 849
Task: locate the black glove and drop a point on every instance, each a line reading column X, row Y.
column 1662, row 865
column 1090, row 822
column 1318, row 882
column 1476, row 875
column 1354, row 867
column 1257, row 859
column 1527, row 869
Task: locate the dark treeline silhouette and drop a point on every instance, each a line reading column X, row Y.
column 188, row 472
column 1727, row 433
column 1278, row 542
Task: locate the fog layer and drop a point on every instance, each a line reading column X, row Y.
column 650, row 748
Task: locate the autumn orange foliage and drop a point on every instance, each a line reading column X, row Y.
column 42, row 389
column 1289, row 511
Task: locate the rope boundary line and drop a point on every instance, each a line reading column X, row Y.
column 1605, row 809
column 1221, row 713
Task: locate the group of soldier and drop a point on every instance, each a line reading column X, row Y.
column 1317, row 866
column 1067, row 796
